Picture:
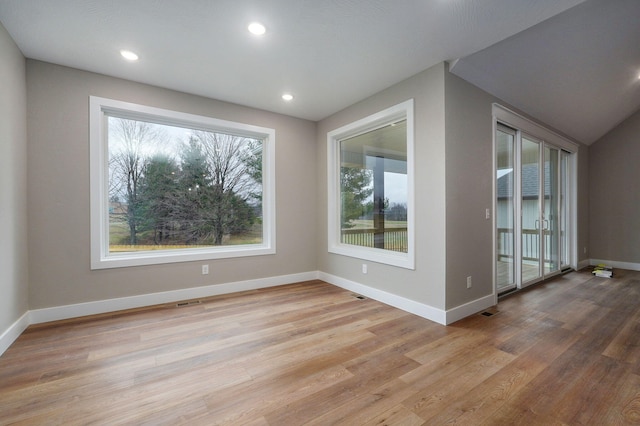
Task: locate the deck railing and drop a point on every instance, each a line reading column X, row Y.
column 395, row 239
column 530, row 243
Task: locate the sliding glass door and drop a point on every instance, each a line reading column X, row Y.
column 531, row 209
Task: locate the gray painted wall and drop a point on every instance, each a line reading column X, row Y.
column 614, row 214
column 425, row 284
column 584, row 237
column 58, row 188
column 469, row 159
column 454, row 187
column 453, row 159
column 13, row 187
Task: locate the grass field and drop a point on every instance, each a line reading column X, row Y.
column 119, row 237
column 368, row 224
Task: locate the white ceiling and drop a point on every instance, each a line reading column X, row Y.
column 573, row 70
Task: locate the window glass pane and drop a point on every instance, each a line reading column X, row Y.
column 531, row 204
column 173, row 187
column 505, row 209
column 374, row 188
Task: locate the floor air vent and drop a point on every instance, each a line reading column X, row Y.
column 359, row 296
column 487, row 314
column 188, row 303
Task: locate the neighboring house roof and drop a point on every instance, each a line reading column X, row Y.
column 530, row 181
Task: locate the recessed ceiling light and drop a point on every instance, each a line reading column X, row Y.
column 287, row 97
column 257, row 28
column 129, row 55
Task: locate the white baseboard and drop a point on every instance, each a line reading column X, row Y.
column 37, row 316
column 473, row 307
column 615, row 264
column 583, row 264
column 408, row 305
column 57, row 313
column 111, row 305
column 425, row 311
column 13, row 332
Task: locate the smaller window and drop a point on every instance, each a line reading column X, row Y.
column 171, row 187
column 371, row 187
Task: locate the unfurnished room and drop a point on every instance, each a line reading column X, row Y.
column 298, row 212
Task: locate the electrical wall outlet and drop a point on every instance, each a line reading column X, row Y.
column 469, row 282
column 205, row 269
column 364, row 268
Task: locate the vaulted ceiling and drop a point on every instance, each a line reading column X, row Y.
column 573, row 64
column 578, row 71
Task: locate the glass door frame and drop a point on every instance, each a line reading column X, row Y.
column 566, row 191
column 548, row 241
column 551, row 208
column 536, row 242
column 507, row 240
column 567, row 220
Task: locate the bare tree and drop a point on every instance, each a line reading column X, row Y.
column 226, row 156
column 129, row 147
column 232, row 181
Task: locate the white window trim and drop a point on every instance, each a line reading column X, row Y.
column 98, row 156
column 403, row 110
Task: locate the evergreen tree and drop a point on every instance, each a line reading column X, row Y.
column 355, row 193
column 194, row 194
column 253, row 164
column 157, row 197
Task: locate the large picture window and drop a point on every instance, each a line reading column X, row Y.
column 169, row 186
column 371, row 187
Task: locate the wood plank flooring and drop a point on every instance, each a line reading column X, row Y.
column 564, row 352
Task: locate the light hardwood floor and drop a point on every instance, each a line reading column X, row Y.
column 564, row 352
